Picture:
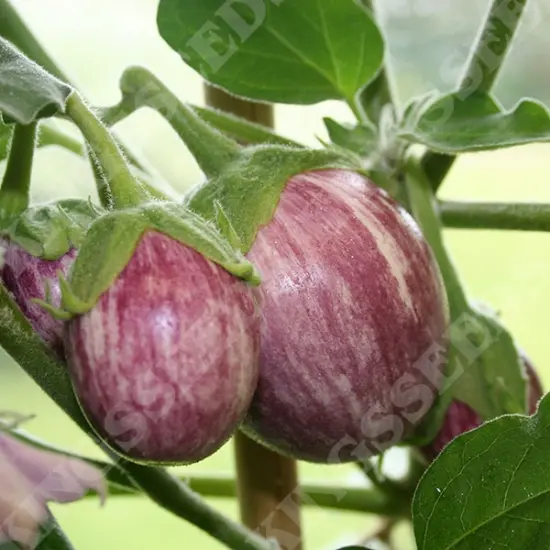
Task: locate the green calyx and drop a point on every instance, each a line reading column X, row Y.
column 112, row 240
column 245, row 182
column 50, row 230
column 250, row 187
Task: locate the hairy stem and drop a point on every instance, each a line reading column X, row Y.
column 212, row 150
column 175, row 496
column 483, row 215
column 49, row 135
column 424, row 209
column 125, row 190
column 15, row 188
column 322, row 495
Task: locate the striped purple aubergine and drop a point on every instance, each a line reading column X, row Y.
column 25, row 276
column 462, row 418
column 165, row 364
column 351, row 301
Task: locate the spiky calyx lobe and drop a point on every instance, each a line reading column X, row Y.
column 166, row 363
column 352, row 301
column 461, row 418
column 26, row 277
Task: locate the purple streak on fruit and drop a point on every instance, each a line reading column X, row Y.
column 462, row 418
column 25, row 276
column 351, row 298
column 166, row 363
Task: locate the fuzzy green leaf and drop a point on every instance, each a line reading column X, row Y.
column 489, row 488
column 27, row 91
column 50, row 230
column 299, row 51
column 360, row 138
column 451, row 124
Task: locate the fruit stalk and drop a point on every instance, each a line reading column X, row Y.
column 14, row 193
column 267, row 482
column 125, row 190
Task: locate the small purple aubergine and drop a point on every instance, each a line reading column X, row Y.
column 461, row 418
column 25, row 276
column 165, row 364
column 351, row 301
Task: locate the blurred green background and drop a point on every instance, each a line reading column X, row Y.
column 94, row 41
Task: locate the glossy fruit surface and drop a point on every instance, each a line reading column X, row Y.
column 351, row 302
column 166, row 363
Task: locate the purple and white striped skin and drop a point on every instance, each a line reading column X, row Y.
column 351, row 298
column 462, row 418
column 165, row 364
column 25, row 276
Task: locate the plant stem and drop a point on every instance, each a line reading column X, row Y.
column 424, row 209
column 268, row 489
column 486, row 60
column 338, row 497
column 103, row 191
column 48, row 135
column 212, row 150
column 125, row 189
column 351, row 499
column 15, row 189
column 492, row 45
column 31, row 353
column 174, row 495
column 482, row 215
column 235, row 127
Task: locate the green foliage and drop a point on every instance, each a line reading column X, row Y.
column 453, row 124
column 299, row 51
column 489, row 488
column 27, row 91
column 50, row 230
column 360, row 138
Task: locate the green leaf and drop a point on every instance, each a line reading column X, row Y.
column 451, row 124
column 52, row 537
column 360, row 138
column 489, row 488
column 112, row 239
column 249, row 188
column 493, row 381
column 50, row 230
column 27, row 91
column 299, row 51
